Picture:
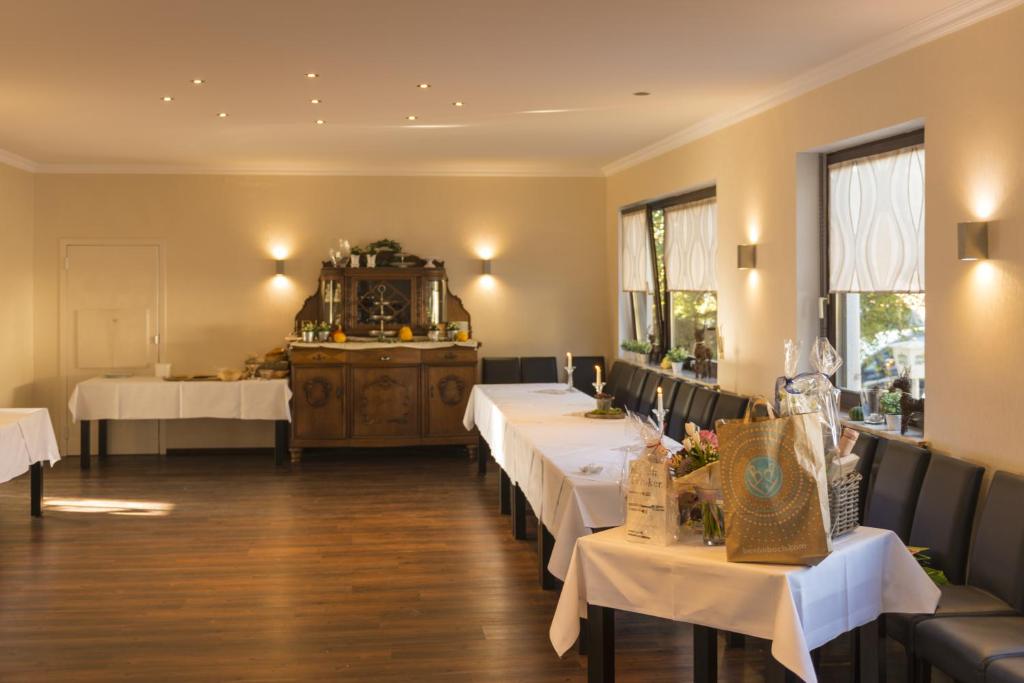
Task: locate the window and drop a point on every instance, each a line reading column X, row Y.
column 874, row 261
column 669, row 277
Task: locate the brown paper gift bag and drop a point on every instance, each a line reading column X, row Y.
column 774, row 488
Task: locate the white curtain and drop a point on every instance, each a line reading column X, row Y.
column 637, row 270
column 691, row 246
column 876, row 223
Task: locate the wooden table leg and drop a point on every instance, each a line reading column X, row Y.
column 281, row 428
column 545, row 544
column 86, row 434
column 101, row 438
column 869, row 662
column 518, row 513
column 581, row 642
column 482, row 455
column 600, row 644
column 705, row 654
column 776, row 673
column 504, row 492
column 36, row 470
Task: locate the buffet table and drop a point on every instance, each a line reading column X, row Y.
column 151, row 398
column 26, row 442
column 869, row 573
column 538, row 436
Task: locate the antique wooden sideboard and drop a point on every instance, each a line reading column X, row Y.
column 374, row 390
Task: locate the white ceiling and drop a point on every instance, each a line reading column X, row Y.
column 81, row 81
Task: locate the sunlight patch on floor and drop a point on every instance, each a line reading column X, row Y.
column 136, row 508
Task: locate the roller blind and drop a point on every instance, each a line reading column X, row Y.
column 691, row 246
column 876, row 223
column 637, row 273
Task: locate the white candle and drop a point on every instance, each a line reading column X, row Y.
column 661, row 401
column 568, row 360
column 597, row 371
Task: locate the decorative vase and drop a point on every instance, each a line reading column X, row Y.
column 451, row 334
column 371, row 260
column 434, row 335
column 307, row 335
column 892, row 423
column 323, row 335
column 677, row 368
column 712, row 516
column 604, row 404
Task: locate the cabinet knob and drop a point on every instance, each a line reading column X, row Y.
column 385, row 358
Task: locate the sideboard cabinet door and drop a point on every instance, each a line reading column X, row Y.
column 319, row 402
column 385, row 401
column 448, row 389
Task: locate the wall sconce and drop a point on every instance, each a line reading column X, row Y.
column 485, row 266
column 972, row 241
column 746, row 256
column 279, row 266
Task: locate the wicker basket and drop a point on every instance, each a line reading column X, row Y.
column 844, row 504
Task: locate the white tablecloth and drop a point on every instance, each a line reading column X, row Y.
column 26, row 437
column 151, row 398
column 869, row 573
column 539, row 437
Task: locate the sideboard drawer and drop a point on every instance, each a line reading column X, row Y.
column 453, row 354
column 384, row 356
column 300, row 356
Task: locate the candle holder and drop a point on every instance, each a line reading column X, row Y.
column 659, row 416
column 568, row 378
column 598, row 387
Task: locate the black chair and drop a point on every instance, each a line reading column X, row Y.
column 865, row 449
column 635, row 389
column 539, row 370
column 702, row 407
column 980, row 621
column 584, row 376
column 942, row 523
column 897, row 481
column 1005, row 670
column 729, row 407
column 619, row 379
column 500, row 371
column 680, row 409
column 649, row 397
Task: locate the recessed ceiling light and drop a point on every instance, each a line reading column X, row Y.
column 167, row 98
column 319, row 122
column 641, row 93
column 423, row 86
column 458, row 104
column 314, row 101
column 197, row 81
column 410, row 117
column 223, row 115
column 312, row 75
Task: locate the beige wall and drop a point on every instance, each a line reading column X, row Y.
column 16, row 222
column 966, row 88
column 547, row 294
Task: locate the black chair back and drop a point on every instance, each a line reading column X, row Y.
column 500, row 371
column 649, row 397
column 680, row 409
column 893, row 495
column 945, row 513
column 619, row 379
column 729, row 407
column 997, row 558
column 539, row 369
column 702, row 407
column 635, row 389
column 584, row 376
column 865, row 449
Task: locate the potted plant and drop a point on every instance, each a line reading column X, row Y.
column 453, row 329
column 308, row 331
column 890, row 405
column 676, row 355
column 323, row 331
column 434, row 332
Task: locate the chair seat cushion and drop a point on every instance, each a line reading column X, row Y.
column 1006, row 670
column 956, row 601
column 962, row 647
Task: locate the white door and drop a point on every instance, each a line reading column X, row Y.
column 111, row 319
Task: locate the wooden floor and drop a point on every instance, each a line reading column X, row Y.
column 384, row 566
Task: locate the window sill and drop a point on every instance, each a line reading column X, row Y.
column 913, row 436
column 686, row 375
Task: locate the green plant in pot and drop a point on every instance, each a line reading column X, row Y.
column 308, row 331
column 889, row 403
column 676, row 356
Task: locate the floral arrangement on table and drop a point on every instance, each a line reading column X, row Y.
column 695, row 470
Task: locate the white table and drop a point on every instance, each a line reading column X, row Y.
column 151, row 398
column 869, row 573
column 26, row 442
column 538, row 436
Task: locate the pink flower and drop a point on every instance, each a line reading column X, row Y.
column 709, row 436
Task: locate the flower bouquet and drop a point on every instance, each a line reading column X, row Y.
column 695, row 469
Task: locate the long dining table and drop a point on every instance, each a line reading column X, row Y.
column 570, row 469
